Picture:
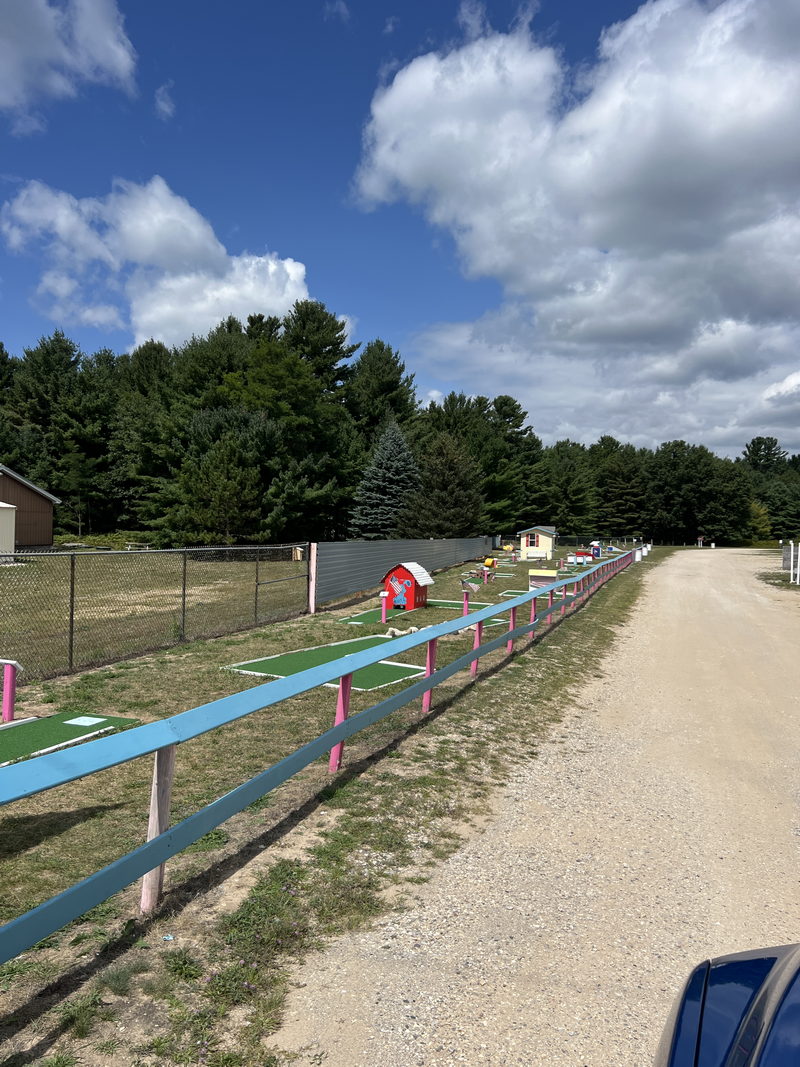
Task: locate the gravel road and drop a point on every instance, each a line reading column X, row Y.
column 658, row 827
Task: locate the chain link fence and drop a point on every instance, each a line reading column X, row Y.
column 65, row 611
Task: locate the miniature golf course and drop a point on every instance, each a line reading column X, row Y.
column 32, row 737
column 386, row 672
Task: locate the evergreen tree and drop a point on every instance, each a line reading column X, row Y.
column 562, row 487
column 44, row 411
column 263, row 328
column 319, row 338
column 221, row 491
column 765, row 455
column 389, row 481
column 449, row 502
column 7, row 367
column 619, row 485
column 378, row 389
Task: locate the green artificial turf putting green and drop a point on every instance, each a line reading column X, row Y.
column 458, row 604
column 374, row 615
column 386, row 672
column 34, row 736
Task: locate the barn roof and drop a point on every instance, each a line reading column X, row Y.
column 30, row 485
column 420, row 574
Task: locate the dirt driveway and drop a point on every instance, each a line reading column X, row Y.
column 660, row 826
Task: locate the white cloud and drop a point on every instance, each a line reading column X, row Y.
column 48, row 50
column 336, row 9
column 152, row 257
column 642, row 215
column 165, row 105
column 391, row 24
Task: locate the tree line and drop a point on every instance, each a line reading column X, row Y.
column 280, row 429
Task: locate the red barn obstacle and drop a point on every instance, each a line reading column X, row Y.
column 407, row 586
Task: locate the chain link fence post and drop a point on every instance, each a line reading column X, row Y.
column 183, row 595
column 255, row 605
column 71, row 650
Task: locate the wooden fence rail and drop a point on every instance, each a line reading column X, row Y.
column 162, row 738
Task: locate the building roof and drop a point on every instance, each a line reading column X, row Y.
column 419, row 573
column 30, row 485
column 4, row 505
column 551, row 530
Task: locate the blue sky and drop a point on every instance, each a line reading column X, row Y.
column 592, row 206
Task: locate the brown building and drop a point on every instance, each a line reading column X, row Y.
column 34, row 508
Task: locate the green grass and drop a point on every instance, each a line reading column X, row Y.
column 419, row 784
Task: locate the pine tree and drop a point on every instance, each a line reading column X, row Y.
column 378, row 389
column 449, row 502
column 317, row 336
column 389, row 481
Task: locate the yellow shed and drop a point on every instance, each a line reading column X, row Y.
column 538, row 542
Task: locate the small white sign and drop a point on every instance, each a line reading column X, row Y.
column 83, row 720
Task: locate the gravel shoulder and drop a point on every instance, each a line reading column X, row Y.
column 658, row 826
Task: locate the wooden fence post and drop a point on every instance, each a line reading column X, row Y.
column 430, row 667
column 160, row 798
column 476, row 644
column 342, row 711
column 533, row 617
column 512, row 622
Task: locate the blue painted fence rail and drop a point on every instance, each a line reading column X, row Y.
column 58, row 768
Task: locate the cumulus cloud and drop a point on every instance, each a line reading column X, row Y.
column 641, row 214
column 48, row 50
column 165, row 105
column 157, row 262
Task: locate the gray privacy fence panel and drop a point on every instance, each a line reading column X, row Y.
column 347, row 567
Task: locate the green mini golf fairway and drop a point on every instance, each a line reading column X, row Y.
column 374, row 615
column 32, row 737
column 386, row 672
column 458, row 604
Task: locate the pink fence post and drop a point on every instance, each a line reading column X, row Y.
column 533, row 617
column 476, row 644
column 158, row 823
column 512, row 622
column 430, row 667
column 10, row 668
column 466, row 602
column 564, row 600
column 485, row 575
column 384, row 602
column 342, row 711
